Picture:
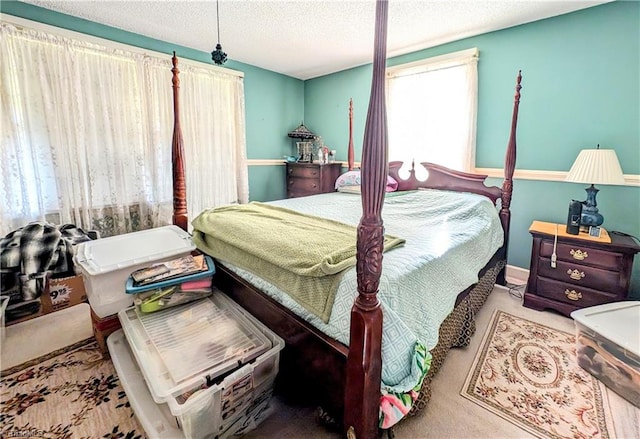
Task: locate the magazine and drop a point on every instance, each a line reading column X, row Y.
column 174, row 268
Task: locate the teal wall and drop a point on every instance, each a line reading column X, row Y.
column 581, row 87
column 274, row 103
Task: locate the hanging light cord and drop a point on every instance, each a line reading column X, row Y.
column 218, row 56
column 218, row 18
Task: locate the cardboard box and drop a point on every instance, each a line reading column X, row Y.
column 62, row 293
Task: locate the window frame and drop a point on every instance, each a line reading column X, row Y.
column 440, row 62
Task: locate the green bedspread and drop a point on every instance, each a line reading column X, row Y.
column 303, row 255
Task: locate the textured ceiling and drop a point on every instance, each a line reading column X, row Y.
column 310, row 38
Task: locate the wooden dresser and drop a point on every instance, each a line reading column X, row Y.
column 311, row 178
column 589, row 271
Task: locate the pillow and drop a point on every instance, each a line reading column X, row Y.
column 349, row 189
column 352, row 178
column 349, row 178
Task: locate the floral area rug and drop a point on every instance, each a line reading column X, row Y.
column 70, row 393
column 527, row 374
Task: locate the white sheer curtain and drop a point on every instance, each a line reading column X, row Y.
column 432, row 110
column 214, row 138
column 87, row 134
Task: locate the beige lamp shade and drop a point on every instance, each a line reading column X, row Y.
column 596, row 166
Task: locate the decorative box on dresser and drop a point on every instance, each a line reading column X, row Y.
column 589, row 271
column 311, row 178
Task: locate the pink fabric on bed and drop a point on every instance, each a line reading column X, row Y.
column 392, row 184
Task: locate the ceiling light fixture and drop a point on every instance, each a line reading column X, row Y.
column 218, row 56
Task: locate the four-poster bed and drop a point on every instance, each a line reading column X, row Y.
column 346, row 379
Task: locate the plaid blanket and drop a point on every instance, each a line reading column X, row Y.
column 36, row 249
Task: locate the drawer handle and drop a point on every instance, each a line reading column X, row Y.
column 579, row 255
column 573, row 294
column 314, row 173
column 291, row 182
column 575, row 274
column 314, row 186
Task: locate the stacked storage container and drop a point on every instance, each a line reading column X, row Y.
column 190, row 281
column 608, row 346
column 209, row 368
column 106, row 263
column 200, row 369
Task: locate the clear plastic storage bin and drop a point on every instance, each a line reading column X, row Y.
column 213, row 396
column 106, row 263
column 608, row 346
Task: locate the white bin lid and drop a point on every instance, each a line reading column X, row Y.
column 616, row 321
column 121, row 251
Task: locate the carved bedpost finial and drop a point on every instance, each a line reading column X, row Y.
column 177, row 156
column 350, row 151
column 509, row 168
column 510, row 156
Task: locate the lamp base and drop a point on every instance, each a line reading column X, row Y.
column 590, row 215
column 591, row 218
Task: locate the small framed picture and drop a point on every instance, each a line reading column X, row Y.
column 594, row 231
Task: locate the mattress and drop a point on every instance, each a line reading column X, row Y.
column 449, row 237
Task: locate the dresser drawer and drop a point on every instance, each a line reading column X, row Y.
column 583, row 254
column 582, row 275
column 303, row 171
column 303, row 185
column 573, row 294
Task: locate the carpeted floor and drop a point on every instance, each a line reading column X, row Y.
column 448, row 415
column 70, row 393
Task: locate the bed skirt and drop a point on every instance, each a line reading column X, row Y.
column 457, row 329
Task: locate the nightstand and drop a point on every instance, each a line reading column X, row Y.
column 311, row 178
column 589, row 271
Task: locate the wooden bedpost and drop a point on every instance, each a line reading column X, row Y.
column 350, row 152
column 507, row 185
column 364, row 362
column 177, row 156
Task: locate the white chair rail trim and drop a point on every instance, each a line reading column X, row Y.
column 521, row 174
column 528, row 174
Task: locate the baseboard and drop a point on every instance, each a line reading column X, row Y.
column 517, row 275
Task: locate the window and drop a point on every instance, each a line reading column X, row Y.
column 87, row 132
column 432, row 107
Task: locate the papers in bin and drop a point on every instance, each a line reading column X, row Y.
column 174, row 295
column 174, row 268
column 208, row 273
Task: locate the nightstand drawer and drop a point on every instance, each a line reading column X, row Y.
column 303, row 171
column 581, row 275
column 573, row 294
column 583, row 255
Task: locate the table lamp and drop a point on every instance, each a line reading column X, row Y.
column 595, row 166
